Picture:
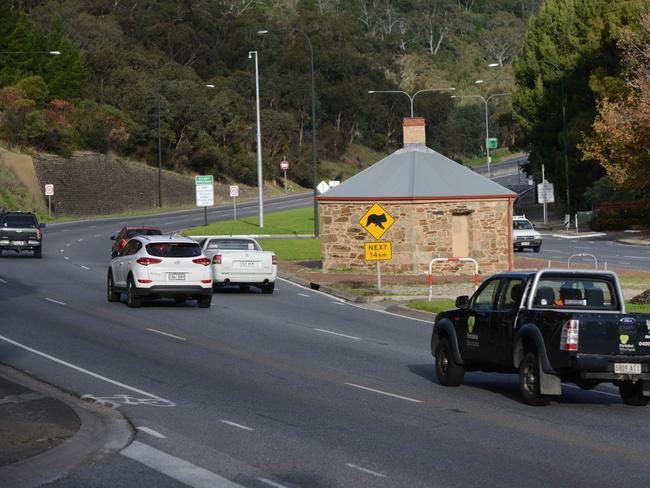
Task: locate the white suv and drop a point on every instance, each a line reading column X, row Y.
column 524, row 234
column 165, row 266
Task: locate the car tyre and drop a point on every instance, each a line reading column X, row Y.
column 632, row 394
column 536, row 248
column 529, row 381
column 132, row 299
column 449, row 372
column 268, row 288
column 113, row 296
column 204, row 302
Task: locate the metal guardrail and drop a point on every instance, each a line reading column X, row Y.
column 446, row 260
column 582, row 255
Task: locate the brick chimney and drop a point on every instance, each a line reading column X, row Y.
column 414, row 132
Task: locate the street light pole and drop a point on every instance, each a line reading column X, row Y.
column 260, row 177
column 53, row 53
column 313, row 117
column 412, row 97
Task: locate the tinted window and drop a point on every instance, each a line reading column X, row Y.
column 233, row 244
column 144, row 232
column 174, row 249
column 19, row 221
column 485, row 299
column 575, row 292
column 511, row 294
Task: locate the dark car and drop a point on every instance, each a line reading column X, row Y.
column 550, row 326
column 127, row 233
column 20, row 231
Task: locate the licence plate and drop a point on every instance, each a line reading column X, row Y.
column 176, row 276
column 247, row 264
column 627, row 368
column 19, row 243
column 525, row 243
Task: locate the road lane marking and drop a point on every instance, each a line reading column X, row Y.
column 384, row 393
column 61, row 250
column 66, row 258
column 391, row 313
column 85, row 267
column 54, row 301
column 151, row 432
column 80, row 369
column 176, row 468
column 311, row 290
column 593, row 391
column 79, row 240
column 579, row 247
column 304, row 295
column 337, row 334
column 68, row 244
column 166, row 334
column 3, row 281
column 271, row 483
column 338, row 303
column 365, row 470
column 235, row 424
column 636, row 257
column 97, row 235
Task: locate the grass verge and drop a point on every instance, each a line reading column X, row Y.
column 293, row 249
column 298, row 221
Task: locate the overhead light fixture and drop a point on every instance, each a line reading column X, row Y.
column 478, row 82
column 493, row 65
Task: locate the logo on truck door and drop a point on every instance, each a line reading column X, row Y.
column 471, row 320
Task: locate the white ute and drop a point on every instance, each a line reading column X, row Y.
column 524, row 234
column 240, row 261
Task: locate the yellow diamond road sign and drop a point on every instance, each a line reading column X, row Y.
column 376, row 221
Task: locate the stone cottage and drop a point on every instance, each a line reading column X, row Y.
column 441, row 209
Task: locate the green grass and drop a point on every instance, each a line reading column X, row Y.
column 637, row 307
column 641, row 280
column 293, row 249
column 501, row 153
column 434, row 306
column 298, row 221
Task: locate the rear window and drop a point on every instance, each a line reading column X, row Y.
column 576, row 293
column 233, row 244
column 174, row 249
column 19, row 221
column 143, row 232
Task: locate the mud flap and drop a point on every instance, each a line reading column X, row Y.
column 549, row 384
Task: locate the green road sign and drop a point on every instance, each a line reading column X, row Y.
column 204, row 180
column 492, row 143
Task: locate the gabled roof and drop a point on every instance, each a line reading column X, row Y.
column 416, row 172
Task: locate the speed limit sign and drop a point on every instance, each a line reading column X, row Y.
column 284, row 165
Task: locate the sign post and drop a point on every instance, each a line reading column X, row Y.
column 204, row 193
column 377, row 221
column 234, row 193
column 284, row 166
column 49, row 191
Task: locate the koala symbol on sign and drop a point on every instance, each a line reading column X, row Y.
column 377, row 220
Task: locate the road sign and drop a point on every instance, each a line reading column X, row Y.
column 378, row 251
column 492, row 143
column 204, row 190
column 234, row 191
column 284, row 165
column 322, row 187
column 376, row 221
column 545, row 193
column 49, row 190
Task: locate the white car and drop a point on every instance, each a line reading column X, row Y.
column 524, row 234
column 240, row 261
column 165, row 266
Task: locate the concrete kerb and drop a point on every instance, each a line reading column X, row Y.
column 103, row 431
column 634, row 242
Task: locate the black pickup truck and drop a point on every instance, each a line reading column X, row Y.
column 551, row 326
column 20, row 231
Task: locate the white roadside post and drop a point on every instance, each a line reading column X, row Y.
column 234, row 193
column 204, row 193
column 284, row 166
column 49, row 191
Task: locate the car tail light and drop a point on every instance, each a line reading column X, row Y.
column 203, row 261
column 38, row 234
column 144, row 281
column 148, row 261
column 570, row 332
column 206, row 281
column 274, row 260
column 216, row 259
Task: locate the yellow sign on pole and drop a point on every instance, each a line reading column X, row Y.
column 376, row 221
column 379, row 251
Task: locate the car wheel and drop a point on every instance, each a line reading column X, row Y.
column 132, row 299
column 204, row 302
column 38, row 253
column 113, row 296
column 268, row 288
column 244, row 287
column 529, row 381
column 536, row 248
column 449, row 373
column 632, row 394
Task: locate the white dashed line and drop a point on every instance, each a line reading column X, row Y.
column 3, row 281
column 151, row 432
column 234, row 424
column 271, row 483
column 168, row 223
column 97, row 235
column 365, row 470
column 68, row 244
column 167, row 334
column 66, row 258
column 85, row 267
column 54, row 301
column 337, row 334
column 636, row 257
column 304, row 295
column 384, row 393
column 80, row 240
column 61, row 250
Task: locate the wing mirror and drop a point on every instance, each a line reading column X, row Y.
column 462, row 302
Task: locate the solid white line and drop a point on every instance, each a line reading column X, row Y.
column 311, row 290
column 81, row 370
column 3, row 281
column 337, row 334
column 338, row 303
column 85, row 267
column 234, row 424
column 151, row 432
column 54, row 301
column 594, row 391
column 635, row 257
column 271, row 483
column 304, row 295
column 176, row 468
column 167, row 334
column 365, row 470
column 391, row 313
column 384, row 393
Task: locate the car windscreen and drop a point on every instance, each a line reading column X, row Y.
column 19, row 221
column 233, row 245
column 521, row 225
column 174, row 249
column 143, row 232
column 562, row 292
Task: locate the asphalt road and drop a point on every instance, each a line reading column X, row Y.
column 291, row 389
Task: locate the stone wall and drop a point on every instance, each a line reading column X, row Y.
column 422, row 231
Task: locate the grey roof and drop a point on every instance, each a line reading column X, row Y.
column 416, row 171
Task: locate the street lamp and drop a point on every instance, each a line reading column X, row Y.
column 486, row 101
column 160, row 93
column 260, row 178
column 53, row 53
column 411, row 97
column 313, row 116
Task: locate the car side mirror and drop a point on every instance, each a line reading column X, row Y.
column 112, row 238
column 462, row 302
column 41, row 226
column 533, row 225
column 114, row 254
